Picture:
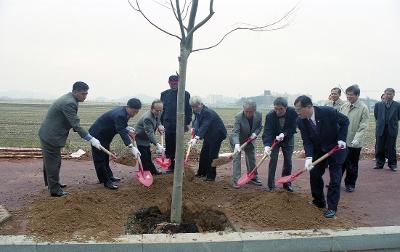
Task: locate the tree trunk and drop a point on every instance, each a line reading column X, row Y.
column 176, row 204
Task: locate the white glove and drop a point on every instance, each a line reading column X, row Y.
column 280, row 137
column 237, row 148
column 267, row 151
column 95, row 143
column 130, row 129
column 308, row 164
column 161, row 129
column 160, row 148
column 355, row 142
column 134, row 150
column 253, row 136
column 342, row 145
column 193, row 141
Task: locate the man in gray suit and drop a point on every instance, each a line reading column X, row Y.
column 248, row 124
column 387, row 116
column 53, row 133
column 145, row 135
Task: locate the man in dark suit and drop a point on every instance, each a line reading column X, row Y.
column 280, row 124
column 387, row 116
column 53, row 133
column 168, row 117
column 322, row 128
column 145, row 135
column 105, row 128
column 208, row 126
column 248, row 124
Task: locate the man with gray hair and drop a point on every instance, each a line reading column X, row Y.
column 280, row 125
column 334, row 99
column 208, row 126
column 248, row 124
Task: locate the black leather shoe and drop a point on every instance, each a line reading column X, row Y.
column 200, row 175
column 59, row 194
column 208, row 179
column 115, row 179
column 269, row 189
column 168, row 171
column 393, row 168
column 63, row 185
column 349, row 189
column 329, row 213
column 288, row 188
column 110, row 185
column 155, row 173
column 256, row 182
column 378, row 167
column 318, row 204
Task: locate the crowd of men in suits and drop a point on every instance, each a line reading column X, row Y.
column 338, row 124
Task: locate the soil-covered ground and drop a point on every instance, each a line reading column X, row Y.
column 92, row 212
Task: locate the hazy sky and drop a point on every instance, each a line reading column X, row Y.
column 46, row 45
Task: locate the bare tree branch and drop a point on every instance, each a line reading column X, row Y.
column 253, row 28
column 173, row 9
column 148, row 20
column 187, row 10
column 163, row 5
column 181, row 26
column 192, row 30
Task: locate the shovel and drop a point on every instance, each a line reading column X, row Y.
column 112, row 155
column 292, row 177
column 246, row 177
column 188, row 150
column 225, row 158
column 143, row 176
column 162, row 161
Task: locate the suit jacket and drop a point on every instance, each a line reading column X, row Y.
column 60, row 118
column 331, row 127
column 168, row 116
column 210, row 126
column 241, row 129
column 109, row 124
column 272, row 127
column 393, row 118
column 146, row 128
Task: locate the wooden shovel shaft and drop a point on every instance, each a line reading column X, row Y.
column 108, row 152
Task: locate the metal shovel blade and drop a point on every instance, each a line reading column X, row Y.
column 245, row 178
column 289, row 178
column 163, row 162
column 145, row 178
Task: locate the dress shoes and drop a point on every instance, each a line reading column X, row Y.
column 269, row 189
column 169, row 170
column 115, row 179
column 200, row 175
column 288, row 188
column 60, row 193
column 155, row 173
column 63, row 185
column 110, row 185
column 349, row 189
column 256, row 181
column 235, row 185
column 318, row 204
column 378, row 167
column 208, row 179
column 329, row 213
column 393, row 168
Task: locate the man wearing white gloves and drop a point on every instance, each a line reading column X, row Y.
column 209, row 127
column 146, row 128
column 358, row 115
column 53, row 133
column 105, row 128
column 322, row 128
column 280, row 125
column 248, row 124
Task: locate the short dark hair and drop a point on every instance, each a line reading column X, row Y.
column 353, row 89
column 156, row 101
column 280, row 101
column 389, row 90
column 134, row 103
column 80, row 86
column 338, row 89
column 173, row 78
column 304, row 101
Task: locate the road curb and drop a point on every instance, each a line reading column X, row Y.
column 364, row 238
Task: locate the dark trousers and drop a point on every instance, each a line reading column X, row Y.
column 102, row 164
column 287, row 151
column 350, row 166
column 170, row 146
column 51, row 166
column 147, row 162
column 386, row 147
column 335, row 163
column 208, row 153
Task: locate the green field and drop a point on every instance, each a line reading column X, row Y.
column 19, row 125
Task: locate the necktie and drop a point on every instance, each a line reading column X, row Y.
column 313, row 126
